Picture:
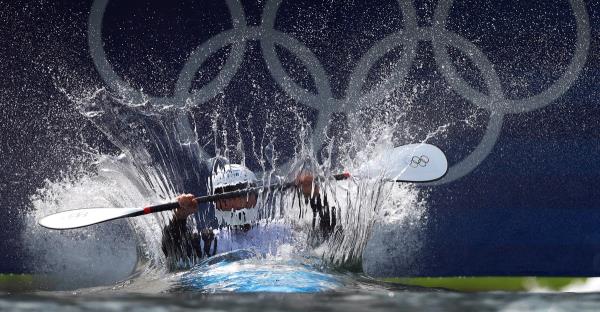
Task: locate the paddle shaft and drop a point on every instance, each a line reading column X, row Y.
column 227, row 195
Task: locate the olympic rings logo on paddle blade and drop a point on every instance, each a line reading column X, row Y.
column 408, row 38
column 419, row 161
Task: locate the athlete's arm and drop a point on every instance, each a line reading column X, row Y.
column 320, row 206
column 177, row 240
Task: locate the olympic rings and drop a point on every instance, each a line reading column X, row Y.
column 512, row 106
column 494, row 101
column 190, row 68
column 419, row 161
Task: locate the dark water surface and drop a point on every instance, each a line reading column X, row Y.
column 392, row 300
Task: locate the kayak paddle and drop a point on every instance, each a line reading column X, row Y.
column 408, row 163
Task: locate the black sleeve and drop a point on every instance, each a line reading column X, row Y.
column 179, row 243
column 326, row 216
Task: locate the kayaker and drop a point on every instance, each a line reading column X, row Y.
column 237, row 225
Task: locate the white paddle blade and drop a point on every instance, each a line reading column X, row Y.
column 77, row 218
column 409, row 163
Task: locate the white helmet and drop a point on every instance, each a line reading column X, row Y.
column 230, row 175
column 228, row 178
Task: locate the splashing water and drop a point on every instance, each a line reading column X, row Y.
column 162, row 156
